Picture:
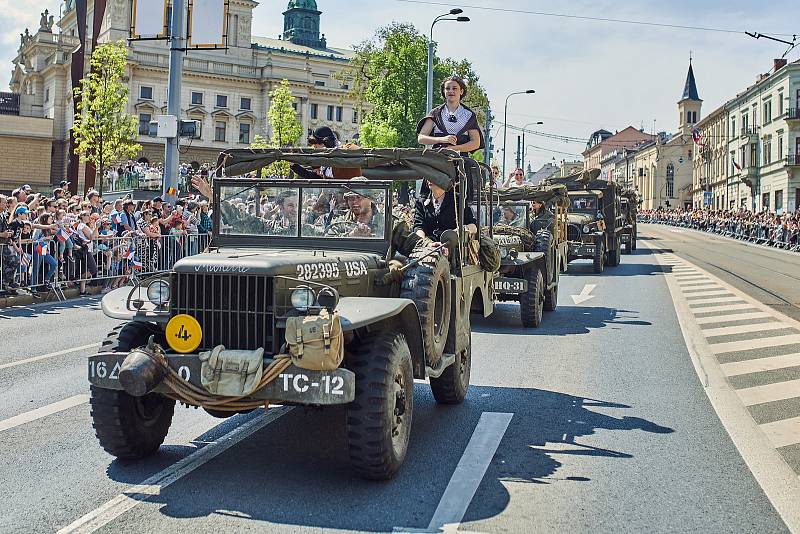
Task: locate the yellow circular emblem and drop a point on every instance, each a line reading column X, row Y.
column 184, row 333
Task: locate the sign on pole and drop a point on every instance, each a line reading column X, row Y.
column 707, row 198
column 208, row 23
column 149, row 19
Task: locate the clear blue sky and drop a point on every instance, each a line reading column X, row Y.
column 587, row 74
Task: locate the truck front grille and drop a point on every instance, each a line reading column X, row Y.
column 235, row 311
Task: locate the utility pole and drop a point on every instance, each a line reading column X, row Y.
column 519, row 150
column 487, row 138
column 176, row 40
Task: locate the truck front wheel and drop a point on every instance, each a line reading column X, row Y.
column 531, row 303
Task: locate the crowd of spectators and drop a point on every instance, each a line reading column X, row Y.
column 766, row 228
column 93, row 240
column 142, row 175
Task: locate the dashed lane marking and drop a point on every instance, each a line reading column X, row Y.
column 44, row 411
column 769, row 392
column 750, row 344
column 152, row 486
column 743, row 329
column 783, row 433
column 771, row 363
column 736, row 317
column 50, row 355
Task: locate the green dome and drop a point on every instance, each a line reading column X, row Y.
column 303, row 4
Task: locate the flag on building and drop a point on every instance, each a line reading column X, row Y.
column 697, row 137
column 738, row 167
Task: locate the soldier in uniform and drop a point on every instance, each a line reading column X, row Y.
column 285, row 221
column 362, row 218
column 511, row 217
column 541, row 217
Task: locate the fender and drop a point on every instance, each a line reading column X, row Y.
column 114, row 305
column 361, row 312
column 524, row 258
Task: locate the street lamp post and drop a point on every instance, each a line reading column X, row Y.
column 537, row 123
column 505, row 125
column 454, row 11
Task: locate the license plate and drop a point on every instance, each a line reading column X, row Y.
column 590, row 250
column 510, row 285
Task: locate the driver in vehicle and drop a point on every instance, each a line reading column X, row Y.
column 362, row 218
column 510, row 217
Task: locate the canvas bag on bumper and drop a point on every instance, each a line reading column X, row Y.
column 315, row 342
column 231, row 373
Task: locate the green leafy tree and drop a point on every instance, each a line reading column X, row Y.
column 285, row 126
column 104, row 133
column 388, row 75
column 375, row 135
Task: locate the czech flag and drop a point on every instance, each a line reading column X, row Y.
column 136, row 265
column 738, row 167
column 42, row 248
column 130, row 253
column 62, row 235
column 115, row 218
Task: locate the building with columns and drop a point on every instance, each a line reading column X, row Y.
column 226, row 90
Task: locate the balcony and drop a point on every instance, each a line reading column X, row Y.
column 793, row 114
column 751, row 133
column 793, row 160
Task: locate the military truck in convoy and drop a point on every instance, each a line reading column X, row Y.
column 311, row 293
column 629, row 205
column 595, row 219
column 533, row 246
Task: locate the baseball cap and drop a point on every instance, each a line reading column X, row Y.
column 21, row 210
column 158, row 199
column 64, row 183
column 26, row 187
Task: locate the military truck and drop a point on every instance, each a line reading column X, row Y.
column 629, row 205
column 595, row 219
column 533, row 248
column 403, row 306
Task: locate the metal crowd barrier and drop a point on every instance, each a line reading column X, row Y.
column 112, row 262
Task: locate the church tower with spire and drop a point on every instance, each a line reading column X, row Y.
column 689, row 105
column 301, row 24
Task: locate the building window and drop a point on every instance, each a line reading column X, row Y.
column 197, row 98
column 47, row 95
column 780, row 104
column 219, row 130
column 779, row 201
column 734, row 133
column 766, row 149
column 338, row 113
column 244, row 133
column 144, row 123
column 222, row 101
column 330, row 113
column 146, row 93
column 780, row 146
column 294, row 106
column 768, row 112
column 754, row 154
column 319, row 83
column 345, row 86
column 765, row 201
column 355, row 116
column 670, row 188
column 314, row 111
column 245, row 103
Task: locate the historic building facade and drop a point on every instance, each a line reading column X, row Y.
column 709, row 172
column 226, row 90
column 603, row 142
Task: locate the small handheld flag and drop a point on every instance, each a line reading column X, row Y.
column 42, row 248
column 136, row 265
column 172, row 191
column 62, row 235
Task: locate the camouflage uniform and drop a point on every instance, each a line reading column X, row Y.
column 281, row 226
column 250, row 224
column 375, row 224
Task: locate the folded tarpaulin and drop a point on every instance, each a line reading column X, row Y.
column 545, row 193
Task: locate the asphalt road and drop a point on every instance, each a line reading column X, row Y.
column 610, row 431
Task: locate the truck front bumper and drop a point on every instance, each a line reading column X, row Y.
column 582, row 250
column 293, row 386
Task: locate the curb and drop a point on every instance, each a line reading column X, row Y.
column 11, row 301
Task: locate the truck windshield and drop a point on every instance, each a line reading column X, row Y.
column 584, row 203
column 335, row 211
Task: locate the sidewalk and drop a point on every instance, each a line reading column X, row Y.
column 8, row 301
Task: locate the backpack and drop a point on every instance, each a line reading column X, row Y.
column 231, row 373
column 315, row 342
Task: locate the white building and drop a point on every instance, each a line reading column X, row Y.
column 227, row 90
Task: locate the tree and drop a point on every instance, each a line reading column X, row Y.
column 378, row 135
column 286, row 127
column 389, row 73
column 103, row 131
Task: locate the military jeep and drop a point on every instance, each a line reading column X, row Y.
column 404, row 305
column 533, row 247
column 629, row 205
column 595, row 219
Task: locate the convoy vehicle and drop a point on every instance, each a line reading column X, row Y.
column 595, row 219
column 293, row 257
column 629, row 205
column 533, row 248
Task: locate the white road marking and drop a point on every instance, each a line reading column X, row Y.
column 707, row 293
column 44, row 411
column 723, row 308
column 470, row 470
column 729, row 317
column 743, row 329
column 697, row 305
column 750, row 344
column 783, row 433
column 761, row 364
column 690, row 291
column 769, row 393
column 697, row 285
column 152, row 486
column 585, row 294
column 46, row 356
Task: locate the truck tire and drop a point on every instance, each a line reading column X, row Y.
column 628, row 247
column 531, row 303
column 599, row 258
column 379, row 418
column 428, row 285
column 551, row 297
column 451, row 387
column 130, row 427
column 614, row 256
column 633, row 242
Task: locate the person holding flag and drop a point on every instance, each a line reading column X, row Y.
column 86, row 232
column 41, row 253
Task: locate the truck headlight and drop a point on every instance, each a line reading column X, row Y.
column 586, row 229
column 159, row 292
column 302, row 298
